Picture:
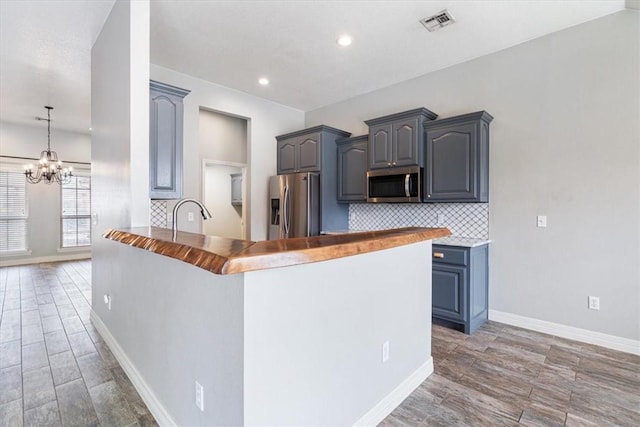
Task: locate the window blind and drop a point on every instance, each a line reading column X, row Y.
column 13, row 212
column 76, row 212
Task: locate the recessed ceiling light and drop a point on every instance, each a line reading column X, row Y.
column 344, row 40
column 263, row 81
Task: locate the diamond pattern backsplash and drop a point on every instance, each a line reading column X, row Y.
column 463, row 219
column 159, row 213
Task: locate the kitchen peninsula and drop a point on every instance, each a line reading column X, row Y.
column 325, row 330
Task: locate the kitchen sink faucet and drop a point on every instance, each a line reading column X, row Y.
column 203, row 210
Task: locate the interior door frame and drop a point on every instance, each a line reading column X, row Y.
column 245, row 200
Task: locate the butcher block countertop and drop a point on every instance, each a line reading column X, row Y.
column 221, row 255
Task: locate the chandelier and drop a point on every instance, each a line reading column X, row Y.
column 49, row 168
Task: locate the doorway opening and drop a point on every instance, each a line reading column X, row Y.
column 223, row 150
column 223, row 189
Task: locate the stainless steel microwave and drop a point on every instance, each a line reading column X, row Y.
column 395, row 185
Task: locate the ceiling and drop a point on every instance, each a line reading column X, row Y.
column 45, row 46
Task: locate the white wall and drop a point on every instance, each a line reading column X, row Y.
column 227, row 218
column 120, row 136
column 222, row 137
column 266, row 119
column 564, row 143
column 43, row 200
column 314, row 336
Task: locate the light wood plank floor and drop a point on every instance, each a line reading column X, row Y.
column 503, row 375
column 56, row 370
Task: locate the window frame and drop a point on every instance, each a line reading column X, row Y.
column 8, row 167
column 83, row 174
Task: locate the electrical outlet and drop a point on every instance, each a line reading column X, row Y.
column 594, row 303
column 440, row 219
column 199, row 396
column 190, row 217
column 542, row 220
column 385, row 351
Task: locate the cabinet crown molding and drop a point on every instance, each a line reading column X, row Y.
column 167, row 88
column 320, row 128
column 478, row 115
column 428, row 115
column 343, row 141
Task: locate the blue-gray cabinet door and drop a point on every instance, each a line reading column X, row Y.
column 380, row 137
column 451, row 165
column 287, row 156
column 352, row 172
column 406, row 139
column 165, row 141
column 449, row 291
column 309, row 153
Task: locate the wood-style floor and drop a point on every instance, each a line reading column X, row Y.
column 503, row 376
column 56, row 370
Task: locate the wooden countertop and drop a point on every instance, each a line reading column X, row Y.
column 220, row 255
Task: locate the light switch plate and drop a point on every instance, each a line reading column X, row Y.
column 541, row 220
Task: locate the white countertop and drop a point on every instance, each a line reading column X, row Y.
column 466, row 242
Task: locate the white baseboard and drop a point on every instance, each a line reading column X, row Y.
column 583, row 335
column 391, row 401
column 38, row 260
column 155, row 407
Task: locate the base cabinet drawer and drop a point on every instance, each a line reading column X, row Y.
column 460, row 285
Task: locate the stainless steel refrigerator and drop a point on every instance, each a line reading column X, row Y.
column 294, row 205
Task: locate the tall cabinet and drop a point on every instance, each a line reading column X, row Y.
column 165, row 140
column 314, row 150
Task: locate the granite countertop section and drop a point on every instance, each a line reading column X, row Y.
column 220, row 255
column 465, row 242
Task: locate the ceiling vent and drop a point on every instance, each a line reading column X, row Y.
column 437, row 21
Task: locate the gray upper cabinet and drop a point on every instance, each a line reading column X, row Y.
column 299, row 154
column 165, row 140
column 353, row 161
column 314, row 150
column 397, row 140
column 457, row 158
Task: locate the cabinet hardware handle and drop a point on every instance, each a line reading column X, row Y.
column 438, row 255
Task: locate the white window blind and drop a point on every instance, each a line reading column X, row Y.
column 76, row 212
column 13, row 212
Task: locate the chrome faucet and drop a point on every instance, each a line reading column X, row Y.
column 203, row 210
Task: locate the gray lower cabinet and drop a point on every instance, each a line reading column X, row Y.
column 460, row 284
column 457, row 158
column 165, row 140
column 353, row 161
column 299, row 153
column 397, row 140
column 314, row 150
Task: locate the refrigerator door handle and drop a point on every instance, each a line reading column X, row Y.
column 309, row 197
column 285, row 211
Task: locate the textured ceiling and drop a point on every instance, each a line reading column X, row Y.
column 45, row 46
column 45, row 59
column 293, row 43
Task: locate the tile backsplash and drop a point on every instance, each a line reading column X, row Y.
column 158, row 214
column 463, row 219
